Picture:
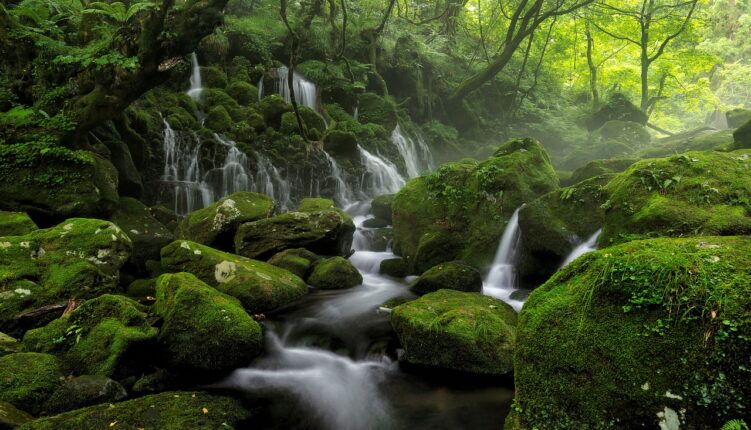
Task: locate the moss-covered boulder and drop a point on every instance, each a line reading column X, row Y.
column 334, row 273
column 701, row 139
column 627, row 132
column 79, row 258
column 244, row 93
column 147, row 234
column 261, row 287
column 454, row 275
column 554, row 224
column 381, row 207
column 617, row 108
column 461, row 210
column 314, row 204
column 176, row 410
column 9, row 345
column 599, row 168
column 742, row 136
column 456, row 330
column 327, row 232
column 298, row 261
column 109, row 336
column 28, row 379
column 15, row 224
column 341, row 143
column 12, row 417
column 634, row 335
column 85, row 390
column 216, row 224
column 218, row 119
column 738, row 117
column 164, row 215
column 375, row 109
column 204, row 329
column 272, row 108
column 705, row 193
column 396, row 267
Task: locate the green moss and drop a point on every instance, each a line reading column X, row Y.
column 146, row 233
column 742, row 136
column 600, row 167
column 216, row 224
column 334, row 274
column 204, row 329
column 313, row 204
column 396, row 267
column 261, row 287
column 107, row 336
column 454, row 275
column 12, row 417
column 705, row 141
column 15, row 224
column 377, row 110
column 617, row 108
column 244, row 93
column 341, row 143
column 8, row 345
column 693, row 193
column 213, row 77
column 738, row 117
column 272, row 108
column 456, row 330
column 218, row 119
column 142, row 288
column 85, row 390
column 381, row 207
column 622, row 334
column 297, row 261
column 164, row 411
column 28, row 379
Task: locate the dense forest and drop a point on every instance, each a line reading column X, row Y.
column 375, row 214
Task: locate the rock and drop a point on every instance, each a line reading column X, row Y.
column 600, row 167
column 165, row 411
column 381, row 207
column 396, row 267
column 204, row 330
column 28, row 379
column 702, row 139
column 375, row 223
column 314, row 204
column 8, row 345
column 147, row 234
column 11, row 417
column 107, row 336
column 164, row 215
column 272, row 108
column 142, row 288
column 738, row 117
column 326, row 232
column 243, row 92
column 626, row 132
column 79, row 258
column 618, row 108
column 375, row 109
column 261, row 287
column 651, row 336
column 454, row 275
column 218, row 119
column 15, row 224
column 554, row 224
column 456, row 330
column 742, row 136
column 704, row 193
column 216, row 224
column 298, row 261
column 341, row 143
column 85, row 390
column 460, row 211
column 334, row 273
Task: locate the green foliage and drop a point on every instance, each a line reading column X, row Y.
column 118, row 11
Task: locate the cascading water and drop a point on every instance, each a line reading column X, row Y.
column 342, row 193
column 196, row 86
column 305, row 91
column 182, row 169
column 588, row 245
column 415, row 152
column 502, row 281
column 381, row 177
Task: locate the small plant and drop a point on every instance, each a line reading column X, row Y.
column 735, row 425
column 73, row 331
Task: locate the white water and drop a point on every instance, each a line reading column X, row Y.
column 382, row 176
column 587, row 246
column 342, row 193
column 305, row 91
column 415, row 152
column 502, row 280
column 196, row 87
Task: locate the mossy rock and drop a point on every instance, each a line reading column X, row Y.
column 218, row 119
column 454, row 275
column 313, row 204
column 204, row 330
column 52, row 187
column 142, row 288
column 460, row 211
column 261, row 287
column 12, row 417
column 147, row 234
column 176, row 410
column 28, row 379
column 272, row 108
column 297, row 261
column 15, row 224
column 244, row 93
column 326, row 232
column 738, row 117
column 216, row 224
column 554, row 224
column 377, row 110
column 617, row 108
column 697, row 140
column 697, row 193
column 396, row 267
column 341, row 143
column 455, row 330
column 381, row 207
column 313, row 120
column 742, row 136
column 633, row 334
column 629, row 132
column 214, row 97
column 107, row 336
column 289, row 124
column 599, row 168
column 213, row 77
column 85, row 390
column 79, row 258
column 9, row 345
column 375, row 223
column 334, row 273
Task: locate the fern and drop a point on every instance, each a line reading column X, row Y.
column 735, row 425
column 117, row 11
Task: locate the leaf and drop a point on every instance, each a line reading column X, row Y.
column 205, row 411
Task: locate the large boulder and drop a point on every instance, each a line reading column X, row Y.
column 79, row 258
column 701, row 139
column 326, row 232
column 599, row 168
column 216, row 224
column 461, row 210
column 738, row 117
column 455, row 330
column 147, row 234
column 299, row 261
column 742, row 136
column 109, row 336
column 261, row 287
column 617, row 108
column 85, row 390
column 204, row 330
column 381, row 207
column 454, row 275
column 706, row 193
column 15, row 224
column 9, row 345
column 12, row 417
column 636, row 335
column 28, row 379
column 165, row 411
column 334, row 274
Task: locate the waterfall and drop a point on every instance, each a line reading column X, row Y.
column 269, row 181
column 501, row 281
column 415, row 152
column 305, row 91
column 342, row 194
column 381, row 177
column 196, row 87
column 182, row 168
column 587, row 246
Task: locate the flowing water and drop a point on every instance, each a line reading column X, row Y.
column 415, row 152
column 196, row 87
column 381, row 175
column 588, row 245
column 501, row 281
column 305, row 91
